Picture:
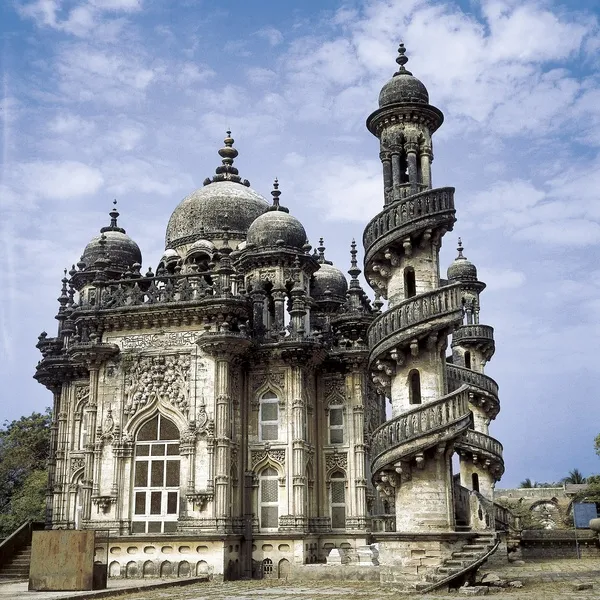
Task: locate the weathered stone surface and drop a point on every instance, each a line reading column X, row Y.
column 583, row 585
column 515, row 584
column 475, row 590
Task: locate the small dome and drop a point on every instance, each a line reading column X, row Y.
column 275, row 228
column 201, row 247
column 113, row 245
column 169, row 255
column 462, row 269
column 328, row 279
column 226, row 202
column 403, row 86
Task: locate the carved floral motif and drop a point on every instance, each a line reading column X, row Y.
column 336, row 460
column 276, row 455
column 151, row 378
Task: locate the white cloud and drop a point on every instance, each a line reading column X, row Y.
column 272, row 35
column 501, row 279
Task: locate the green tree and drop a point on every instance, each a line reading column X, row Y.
column 574, row 476
column 24, row 452
column 527, row 483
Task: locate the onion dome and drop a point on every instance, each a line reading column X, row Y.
column 277, row 227
column 328, row 281
column 403, row 86
column 113, row 249
column 226, row 200
column 462, row 269
column 201, row 247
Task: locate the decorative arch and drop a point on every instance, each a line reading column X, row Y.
column 147, row 412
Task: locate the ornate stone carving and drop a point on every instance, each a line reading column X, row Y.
column 103, row 502
column 77, row 463
column 159, row 340
column 82, row 393
column 333, row 386
column 336, row 460
column 277, row 456
column 275, row 378
column 200, row 499
column 151, row 378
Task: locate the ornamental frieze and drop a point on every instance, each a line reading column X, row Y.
column 157, row 340
column 259, row 380
column 256, row 456
column 333, row 386
column 82, row 393
column 77, row 464
column 151, row 378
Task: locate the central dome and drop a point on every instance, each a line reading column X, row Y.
column 204, row 213
column 226, row 202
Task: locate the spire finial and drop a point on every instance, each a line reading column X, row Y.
column 276, row 192
column 460, row 248
column 402, row 59
column 354, row 271
column 114, row 214
column 226, row 171
column 321, row 250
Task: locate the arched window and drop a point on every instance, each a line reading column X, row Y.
column 269, row 417
column 267, row 565
column 336, row 425
column 468, row 359
column 410, row 286
column 414, row 383
column 269, row 499
column 475, row 481
column 156, row 477
column 338, row 500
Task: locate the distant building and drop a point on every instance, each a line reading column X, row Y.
column 227, row 411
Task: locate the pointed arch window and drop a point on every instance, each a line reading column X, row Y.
column 156, row 477
column 414, row 387
column 269, row 417
column 268, row 490
column 338, row 500
column 475, row 481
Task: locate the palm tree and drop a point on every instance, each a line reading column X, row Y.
column 574, row 476
column 527, row 483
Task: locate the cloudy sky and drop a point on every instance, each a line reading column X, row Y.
column 130, row 99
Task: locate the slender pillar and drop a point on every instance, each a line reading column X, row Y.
column 396, row 173
column 411, row 157
column 223, row 415
column 388, row 183
column 91, row 411
column 426, row 156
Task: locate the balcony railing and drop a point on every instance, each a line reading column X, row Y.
column 484, row 442
column 156, row 290
column 386, row 330
column 419, row 422
column 458, row 376
column 465, row 332
column 398, row 219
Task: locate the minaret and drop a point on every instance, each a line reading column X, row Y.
column 411, row 453
column 481, row 463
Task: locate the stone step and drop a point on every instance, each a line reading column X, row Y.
column 476, row 547
column 448, row 571
column 456, row 562
column 465, row 555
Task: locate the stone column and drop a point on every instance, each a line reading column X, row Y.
column 411, row 148
column 388, row 181
column 279, row 295
column 396, row 173
column 426, row 156
column 359, row 462
column 223, row 415
column 258, row 306
column 91, row 410
column 298, row 444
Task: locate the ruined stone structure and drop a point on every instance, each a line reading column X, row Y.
column 227, row 411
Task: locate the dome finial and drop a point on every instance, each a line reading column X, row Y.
column 354, row 271
column 227, row 172
column 276, row 192
column 114, row 214
column 460, row 248
column 402, row 59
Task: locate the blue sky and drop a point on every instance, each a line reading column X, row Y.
column 130, row 99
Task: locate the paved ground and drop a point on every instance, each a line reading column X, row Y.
column 542, row 580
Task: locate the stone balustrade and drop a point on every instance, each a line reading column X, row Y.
column 417, row 422
column 399, row 219
column 470, row 332
column 458, row 376
column 484, row 442
column 155, row 290
column 396, row 325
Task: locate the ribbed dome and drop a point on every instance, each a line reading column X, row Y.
column 462, row 269
column 403, row 86
column 331, row 279
column 118, row 251
column 275, row 228
column 206, row 211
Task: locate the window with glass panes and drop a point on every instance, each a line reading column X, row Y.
column 156, row 477
column 269, row 417
column 269, row 498
column 338, row 500
column 336, row 425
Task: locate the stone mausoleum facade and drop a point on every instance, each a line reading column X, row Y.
column 244, row 408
